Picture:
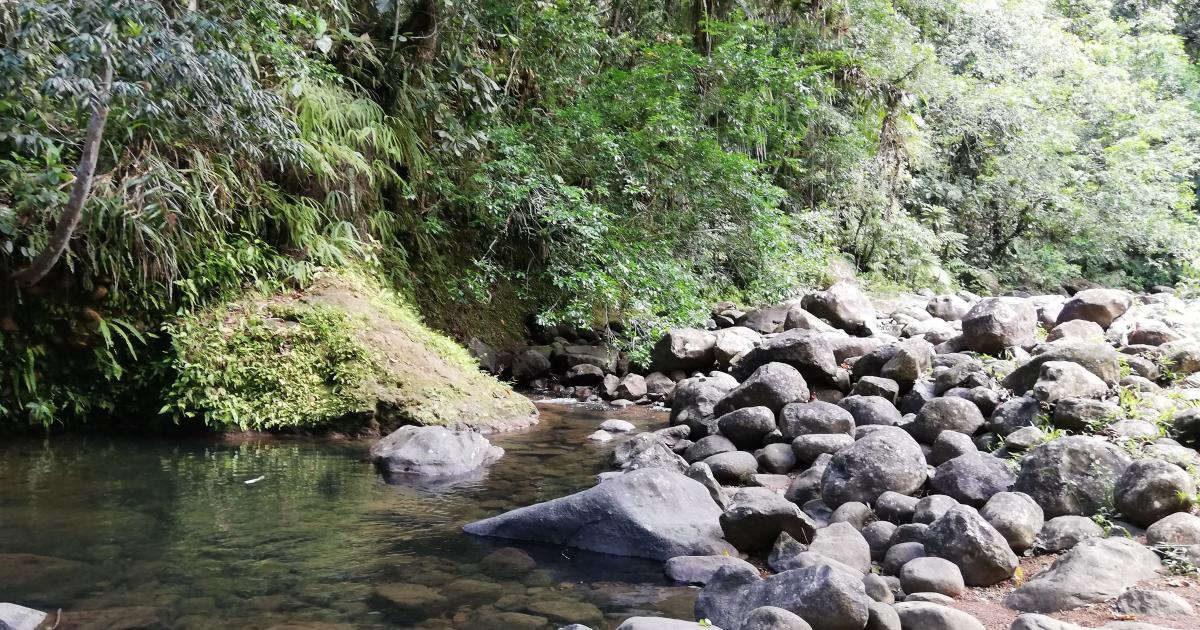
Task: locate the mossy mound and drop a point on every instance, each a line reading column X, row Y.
column 344, row 353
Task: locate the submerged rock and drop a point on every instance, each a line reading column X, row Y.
column 433, row 452
column 647, row 513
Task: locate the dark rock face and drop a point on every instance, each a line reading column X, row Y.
column 1072, row 475
column 822, row 596
column 772, row 386
column 433, row 452
column 1096, row 570
column 1151, row 489
column 973, row 478
column 686, row 349
column 994, row 324
column 757, row 516
column 530, row 365
column 649, row 513
column 945, row 414
column 1100, row 306
column 964, row 538
column 885, row 460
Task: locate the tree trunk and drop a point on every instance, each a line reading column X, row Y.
column 85, row 171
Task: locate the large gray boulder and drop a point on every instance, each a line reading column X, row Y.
column 649, row 513
column 887, row 459
column 963, row 537
column 823, row 596
column 949, row 413
column 694, row 401
column 817, row 416
column 1098, row 358
column 948, row 307
column 647, row 450
column 929, row 616
column 774, row 618
column 932, row 575
column 997, row 323
column 1147, row 603
column 913, row 358
column 756, row 517
column 1063, row 379
column 1101, row 306
column 973, row 478
column 1016, row 516
column 1064, row 532
column 700, row 569
column 807, row 351
column 732, row 342
column 1151, row 489
column 868, row 410
column 843, row 305
column 772, row 386
column 747, row 426
column 732, row 468
column 1176, row 529
column 1014, row 414
column 844, row 543
column 1096, row 570
column 1072, row 475
column 686, row 349
column 432, row 452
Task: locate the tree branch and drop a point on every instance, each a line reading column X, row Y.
column 85, row 171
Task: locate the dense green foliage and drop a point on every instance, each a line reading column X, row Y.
column 581, row 160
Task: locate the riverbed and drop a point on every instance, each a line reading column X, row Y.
column 128, row 532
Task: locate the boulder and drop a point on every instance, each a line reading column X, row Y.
column 1176, row 529
column 1072, row 475
column 708, row 446
column 1148, row 603
column 1013, row 414
column 1077, row 329
column 766, row 320
column 773, row 618
column 948, row 445
column 694, row 401
column 876, row 386
column 934, row 330
column 901, row 554
column 883, row 617
column 702, row 474
column 1016, row 516
column 1078, row 414
column 1151, row 489
column 732, row 468
column 885, row 460
column 563, row 358
column 843, row 543
column 948, row 307
column 647, row 450
column 1095, row 570
column 686, row 349
column 1064, row 532
column 747, row 426
column 825, row 597
column 808, row 352
column 932, row 507
column 945, row 414
column 798, row 419
column 807, row 448
column 631, row 387
column 756, row 517
column 932, row 575
column 659, row 387
column 1063, row 379
column 994, row 324
column 869, row 410
column 432, row 451
column 797, row 317
column 843, row 305
column 973, row 478
column 776, row 459
column 963, row 537
column 913, row 358
column 733, row 342
column 1101, row 306
column 929, row 616
column 614, row 425
column 649, row 513
column 772, row 386
column 1098, row 358
column 529, row 365
column 700, row 569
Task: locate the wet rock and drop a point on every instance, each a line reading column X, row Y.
column 650, row 513
column 566, row 611
column 1151, row 489
column 507, row 562
column 772, row 386
column 870, row 410
column 973, row 478
column 1072, row 475
column 1141, row 602
column 798, row 419
column 945, row 414
column 1064, row 532
column 929, row 616
column 1101, row 306
column 732, row 468
column 1063, row 379
column 613, row 425
column 1016, row 516
column 932, row 575
column 684, row 349
column 963, row 537
column 885, row 460
column 529, row 365
column 600, row 435
column 746, row 427
column 433, row 452
column 756, row 516
column 1096, row 570
column 409, row 598
column 773, row 618
column 700, row 569
column 994, row 324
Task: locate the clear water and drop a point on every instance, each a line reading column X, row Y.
column 145, row 533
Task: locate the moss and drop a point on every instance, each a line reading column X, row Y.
column 343, row 352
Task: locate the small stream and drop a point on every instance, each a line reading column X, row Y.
column 148, row 533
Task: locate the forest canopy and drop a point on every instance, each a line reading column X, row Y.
column 578, row 160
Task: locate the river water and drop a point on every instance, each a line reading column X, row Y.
column 124, row 533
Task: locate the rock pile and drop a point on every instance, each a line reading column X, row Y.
column 931, row 439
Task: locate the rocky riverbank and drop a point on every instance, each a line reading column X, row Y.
column 846, row 464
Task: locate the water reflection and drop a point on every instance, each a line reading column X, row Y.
column 136, row 533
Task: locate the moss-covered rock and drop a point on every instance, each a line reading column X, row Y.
column 344, row 353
